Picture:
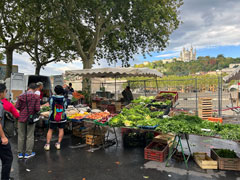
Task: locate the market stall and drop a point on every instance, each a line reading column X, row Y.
column 104, row 100
column 151, row 114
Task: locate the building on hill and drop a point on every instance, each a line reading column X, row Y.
column 234, row 65
column 188, row 55
column 165, row 61
column 146, row 63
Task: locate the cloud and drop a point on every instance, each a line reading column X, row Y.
column 206, row 24
column 167, row 55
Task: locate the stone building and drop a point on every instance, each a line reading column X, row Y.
column 188, row 55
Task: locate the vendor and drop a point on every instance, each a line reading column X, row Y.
column 127, row 95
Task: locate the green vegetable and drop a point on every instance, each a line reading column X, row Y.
column 226, row 153
column 45, row 109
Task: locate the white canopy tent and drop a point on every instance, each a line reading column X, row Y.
column 235, row 75
column 115, row 73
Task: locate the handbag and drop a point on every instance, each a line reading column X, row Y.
column 32, row 118
column 9, row 125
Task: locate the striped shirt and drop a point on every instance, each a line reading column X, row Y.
column 33, row 105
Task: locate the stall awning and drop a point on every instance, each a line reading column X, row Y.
column 235, row 75
column 115, row 72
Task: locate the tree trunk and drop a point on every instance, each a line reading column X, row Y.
column 38, row 69
column 9, row 55
column 86, row 81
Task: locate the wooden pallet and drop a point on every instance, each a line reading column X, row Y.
column 205, row 108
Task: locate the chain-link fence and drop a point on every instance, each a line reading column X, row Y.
column 189, row 90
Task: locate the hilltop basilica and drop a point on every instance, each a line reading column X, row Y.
column 188, row 55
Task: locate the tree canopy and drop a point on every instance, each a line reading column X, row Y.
column 116, row 30
column 48, row 42
column 111, row 30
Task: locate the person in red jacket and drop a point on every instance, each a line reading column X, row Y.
column 10, row 108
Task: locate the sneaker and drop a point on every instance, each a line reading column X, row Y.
column 47, row 147
column 26, row 156
column 58, row 146
column 20, row 155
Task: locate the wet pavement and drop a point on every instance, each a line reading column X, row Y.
column 114, row 163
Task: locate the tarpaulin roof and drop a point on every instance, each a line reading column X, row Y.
column 235, row 75
column 115, row 72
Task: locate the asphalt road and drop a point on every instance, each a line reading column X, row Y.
column 114, row 163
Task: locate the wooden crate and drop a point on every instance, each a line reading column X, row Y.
column 204, row 161
column 118, row 106
column 94, row 105
column 80, row 133
column 164, row 138
column 94, row 140
column 226, row 163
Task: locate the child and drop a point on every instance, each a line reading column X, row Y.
column 57, row 117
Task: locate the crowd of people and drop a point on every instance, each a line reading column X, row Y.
column 27, row 106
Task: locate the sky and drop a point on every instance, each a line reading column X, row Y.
column 210, row 26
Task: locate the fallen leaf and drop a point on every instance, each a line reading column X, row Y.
column 117, row 162
column 49, row 171
column 145, row 177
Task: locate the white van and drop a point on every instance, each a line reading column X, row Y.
column 19, row 82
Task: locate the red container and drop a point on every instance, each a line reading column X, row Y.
column 215, row 119
column 155, row 155
column 174, row 92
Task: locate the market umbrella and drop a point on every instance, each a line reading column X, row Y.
column 235, row 75
column 115, row 72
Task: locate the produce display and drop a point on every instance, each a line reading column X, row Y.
column 99, row 115
column 146, row 115
column 78, row 115
column 45, row 109
column 165, row 96
column 226, row 153
column 138, row 115
column 143, row 100
column 104, row 120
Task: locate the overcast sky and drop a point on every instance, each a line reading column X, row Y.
column 211, row 26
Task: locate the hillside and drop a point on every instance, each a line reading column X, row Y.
column 203, row 64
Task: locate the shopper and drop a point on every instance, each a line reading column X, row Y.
column 39, row 90
column 28, row 104
column 10, row 108
column 5, row 147
column 57, row 117
column 127, row 95
column 71, row 88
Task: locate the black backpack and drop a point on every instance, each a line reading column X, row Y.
column 9, row 125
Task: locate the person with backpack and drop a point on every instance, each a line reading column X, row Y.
column 29, row 105
column 57, row 117
column 9, row 107
column 5, row 147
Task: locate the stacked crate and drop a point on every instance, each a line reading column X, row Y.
column 205, row 108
